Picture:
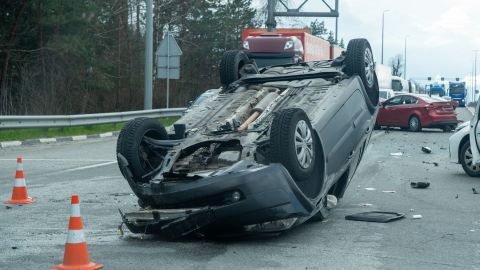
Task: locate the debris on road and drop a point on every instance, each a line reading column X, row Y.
column 14, row 247
column 417, row 216
column 434, row 163
column 331, row 201
column 419, row 184
column 426, row 150
column 456, row 197
column 388, row 191
column 412, row 210
column 370, row 188
column 475, row 191
column 8, row 207
column 376, row 216
column 396, row 154
column 365, row 204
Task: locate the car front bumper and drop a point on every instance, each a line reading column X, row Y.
column 245, row 196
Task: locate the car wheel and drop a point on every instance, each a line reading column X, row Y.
column 414, row 124
column 131, row 145
column 466, row 159
column 447, row 129
column 231, row 65
column 292, row 143
column 359, row 61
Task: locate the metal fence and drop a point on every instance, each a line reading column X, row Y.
column 47, row 121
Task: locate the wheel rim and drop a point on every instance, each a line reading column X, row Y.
column 414, row 123
column 369, row 67
column 469, row 161
column 149, row 159
column 303, row 144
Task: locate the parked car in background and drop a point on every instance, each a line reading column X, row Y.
column 415, row 111
column 460, row 150
column 386, row 94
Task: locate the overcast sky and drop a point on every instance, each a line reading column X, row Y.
column 442, row 34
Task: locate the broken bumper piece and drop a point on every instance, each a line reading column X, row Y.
column 262, row 199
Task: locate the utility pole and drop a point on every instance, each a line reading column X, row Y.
column 475, row 76
column 405, row 64
column 147, row 100
column 383, row 28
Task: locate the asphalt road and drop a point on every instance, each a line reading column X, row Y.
column 447, row 237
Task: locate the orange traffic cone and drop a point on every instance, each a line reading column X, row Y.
column 76, row 253
column 19, row 193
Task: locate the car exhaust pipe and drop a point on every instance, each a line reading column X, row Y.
column 258, row 109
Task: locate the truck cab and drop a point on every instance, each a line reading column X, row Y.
column 272, row 48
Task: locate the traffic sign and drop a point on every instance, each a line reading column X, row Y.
column 168, row 61
column 168, row 58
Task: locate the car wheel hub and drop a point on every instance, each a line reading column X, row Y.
column 369, row 67
column 413, row 123
column 469, row 161
column 303, row 144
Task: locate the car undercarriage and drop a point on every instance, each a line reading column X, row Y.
column 260, row 155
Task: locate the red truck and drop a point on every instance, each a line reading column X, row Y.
column 286, row 46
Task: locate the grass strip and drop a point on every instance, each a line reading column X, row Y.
column 36, row 133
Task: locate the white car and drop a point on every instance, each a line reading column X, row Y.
column 386, row 93
column 466, row 134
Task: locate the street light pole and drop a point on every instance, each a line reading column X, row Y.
column 405, row 65
column 383, row 28
column 475, row 75
column 147, row 99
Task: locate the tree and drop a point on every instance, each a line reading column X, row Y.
column 397, row 64
column 331, row 38
column 69, row 57
column 318, row 28
column 342, row 44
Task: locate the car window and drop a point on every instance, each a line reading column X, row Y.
column 394, row 101
column 410, row 100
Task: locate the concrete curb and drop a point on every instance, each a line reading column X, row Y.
column 7, row 144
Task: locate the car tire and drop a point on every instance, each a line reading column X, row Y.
column 131, row 145
column 466, row 160
column 230, row 66
column 359, row 61
column 292, row 143
column 447, row 129
column 414, row 124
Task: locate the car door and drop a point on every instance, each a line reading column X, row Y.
column 388, row 113
column 475, row 136
column 404, row 110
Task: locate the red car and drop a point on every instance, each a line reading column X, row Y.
column 414, row 112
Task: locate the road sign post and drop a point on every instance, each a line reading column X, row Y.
column 168, row 61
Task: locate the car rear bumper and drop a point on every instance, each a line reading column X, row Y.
column 235, row 199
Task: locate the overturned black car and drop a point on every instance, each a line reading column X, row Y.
column 260, row 154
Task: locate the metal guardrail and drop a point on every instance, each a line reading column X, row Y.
column 47, row 121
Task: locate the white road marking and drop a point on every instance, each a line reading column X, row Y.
column 59, row 159
column 107, row 134
column 10, row 143
column 79, row 137
column 89, row 167
column 48, row 140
